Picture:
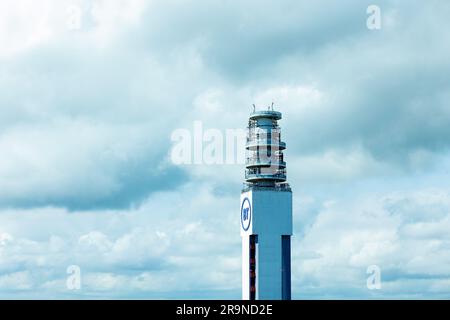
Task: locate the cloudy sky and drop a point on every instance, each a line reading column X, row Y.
column 91, row 91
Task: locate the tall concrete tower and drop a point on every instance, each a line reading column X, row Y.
column 266, row 212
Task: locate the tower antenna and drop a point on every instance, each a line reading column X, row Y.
column 254, row 108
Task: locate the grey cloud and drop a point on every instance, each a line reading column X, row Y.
column 124, row 110
column 246, row 39
column 382, row 90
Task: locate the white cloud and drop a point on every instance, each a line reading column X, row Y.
column 291, row 100
column 348, row 237
column 146, row 250
column 336, row 165
column 25, row 24
column 16, row 281
column 153, row 250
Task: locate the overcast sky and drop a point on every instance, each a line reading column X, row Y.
column 91, row 91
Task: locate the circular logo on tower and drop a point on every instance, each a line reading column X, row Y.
column 246, row 214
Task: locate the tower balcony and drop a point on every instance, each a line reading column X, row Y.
column 277, row 161
column 265, row 144
column 255, row 177
column 265, row 174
